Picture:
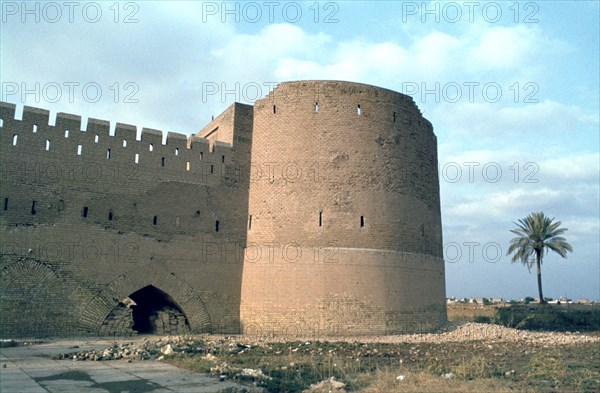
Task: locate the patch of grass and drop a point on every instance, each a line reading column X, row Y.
column 482, row 319
column 549, row 317
column 385, row 381
column 545, row 365
column 466, row 312
column 476, row 366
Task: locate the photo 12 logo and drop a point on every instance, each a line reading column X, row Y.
column 489, row 172
column 269, row 11
column 226, row 92
column 69, row 11
column 490, row 252
column 471, row 91
column 53, row 92
column 469, row 11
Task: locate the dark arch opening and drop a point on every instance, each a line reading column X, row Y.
column 155, row 312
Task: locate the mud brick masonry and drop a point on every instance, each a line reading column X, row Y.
column 313, row 212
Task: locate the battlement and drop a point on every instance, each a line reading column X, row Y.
column 337, row 230
column 35, row 131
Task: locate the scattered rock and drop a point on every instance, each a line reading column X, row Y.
column 328, row 385
column 210, row 358
column 167, row 349
column 252, row 374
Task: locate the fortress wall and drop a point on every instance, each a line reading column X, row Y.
column 357, row 183
column 327, row 192
column 117, row 239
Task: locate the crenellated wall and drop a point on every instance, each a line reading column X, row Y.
column 108, row 215
column 314, row 212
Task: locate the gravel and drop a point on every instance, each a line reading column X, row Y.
column 157, row 348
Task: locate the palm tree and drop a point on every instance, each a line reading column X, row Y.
column 536, row 234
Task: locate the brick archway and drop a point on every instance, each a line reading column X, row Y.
column 33, row 295
column 96, row 311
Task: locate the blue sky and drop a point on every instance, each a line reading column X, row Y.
column 528, row 129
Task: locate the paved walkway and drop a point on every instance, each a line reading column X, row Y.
column 29, row 369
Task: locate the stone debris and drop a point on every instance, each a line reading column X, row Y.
column 242, row 389
column 472, row 331
column 119, row 321
column 249, row 373
column 328, row 385
column 169, row 321
column 212, row 346
column 144, row 349
column 210, row 358
column 167, row 349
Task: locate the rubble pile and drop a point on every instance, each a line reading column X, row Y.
column 169, row 321
column 119, row 322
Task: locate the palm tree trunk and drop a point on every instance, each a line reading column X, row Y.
column 539, row 276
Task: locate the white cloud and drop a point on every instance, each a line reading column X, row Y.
column 547, row 117
column 583, row 166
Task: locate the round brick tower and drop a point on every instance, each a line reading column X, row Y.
column 344, row 226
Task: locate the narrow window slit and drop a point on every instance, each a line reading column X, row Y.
column 250, row 222
column 66, row 133
column 394, row 117
column 362, row 221
column 5, row 203
column 176, row 151
column 155, row 220
column 162, row 161
column 34, row 128
column 47, row 144
column 14, row 141
column 187, row 166
column 124, row 142
column 110, row 215
column 316, row 107
column 358, row 109
column 79, row 149
column 137, row 158
column 212, row 168
column 33, row 211
column 320, row 219
column 108, row 154
column 217, row 226
column 84, row 212
column 223, row 159
column 151, row 147
column 274, row 109
column 96, row 138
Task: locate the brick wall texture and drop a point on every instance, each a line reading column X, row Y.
column 314, row 212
